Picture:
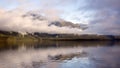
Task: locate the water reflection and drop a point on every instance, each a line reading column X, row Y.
column 55, row 44
column 84, row 62
column 36, row 54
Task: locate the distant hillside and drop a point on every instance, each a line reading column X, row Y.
column 9, row 33
column 59, row 37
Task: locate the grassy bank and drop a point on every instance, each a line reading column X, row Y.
column 17, row 39
column 32, row 38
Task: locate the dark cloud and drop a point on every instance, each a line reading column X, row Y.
column 106, row 16
column 102, row 4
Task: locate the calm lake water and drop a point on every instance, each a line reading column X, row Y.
column 41, row 55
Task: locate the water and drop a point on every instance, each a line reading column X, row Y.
column 36, row 55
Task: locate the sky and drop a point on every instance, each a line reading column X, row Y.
column 101, row 16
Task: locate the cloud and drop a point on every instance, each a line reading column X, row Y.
column 105, row 17
column 102, row 16
column 14, row 21
column 100, row 4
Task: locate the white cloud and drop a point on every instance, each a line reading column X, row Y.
column 14, row 21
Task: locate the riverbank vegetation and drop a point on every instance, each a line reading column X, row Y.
column 31, row 37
